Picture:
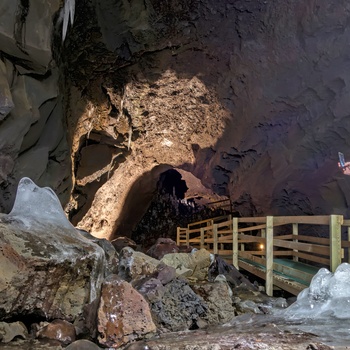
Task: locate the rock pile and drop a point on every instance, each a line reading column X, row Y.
column 61, row 286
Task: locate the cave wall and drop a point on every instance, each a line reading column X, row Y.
column 251, row 97
column 33, row 139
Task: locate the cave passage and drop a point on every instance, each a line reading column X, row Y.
column 171, row 182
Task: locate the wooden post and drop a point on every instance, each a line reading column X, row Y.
column 235, row 243
column 178, row 235
column 215, row 236
column 269, row 255
column 295, row 233
column 349, row 241
column 202, row 238
column 335, row 240
column 187, row 236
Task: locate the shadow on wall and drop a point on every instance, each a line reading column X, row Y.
column 137, row 201
column 288, row 114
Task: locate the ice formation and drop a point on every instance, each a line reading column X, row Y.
column 327, row 297
column 35, row 206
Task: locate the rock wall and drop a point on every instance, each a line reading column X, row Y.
column 32, row 136
column 250, row 97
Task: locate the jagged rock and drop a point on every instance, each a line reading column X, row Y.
column 123, row 314
column 175, row 306
column 121, row 242
column 161, row 247
column 217, row 297
column 60, row 330
column 248, row 300
column 193, row 265
column 220, row 267
column 9, row 331
column 111, row 254
column 49, row 270
column 134, row 264
column 25, row 32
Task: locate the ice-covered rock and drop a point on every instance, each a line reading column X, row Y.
column 48, row 269
column 327, row 296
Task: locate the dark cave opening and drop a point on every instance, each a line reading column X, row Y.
column 170, row 182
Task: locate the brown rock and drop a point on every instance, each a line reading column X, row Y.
column 48, row 269
column 123, row 314
column 58, row 330
column 120, row 242
column 162, row 247
column 218, row 300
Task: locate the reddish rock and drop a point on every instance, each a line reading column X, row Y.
column 121, row 242
column 162, row 247
column 123, row 314
column 58, row 330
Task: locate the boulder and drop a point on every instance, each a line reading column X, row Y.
column 161, row 247
column 123, row 314
column 49, row 270
column 120, row 242
column 8, row 331
column 133, row 265
column 175, row 306
column 193, row 265
column 217, row 297
column 83, row 344
column 60, row 330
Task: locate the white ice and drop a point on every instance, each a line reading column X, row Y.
column 328, row 296
column 35, row 206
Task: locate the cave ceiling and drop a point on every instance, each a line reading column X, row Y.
column 250, row 98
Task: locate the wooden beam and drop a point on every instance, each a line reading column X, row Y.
column 235, row 243
column 306, row 247
column 335, row 236
column 269, row 255
column 202, row 238
column 215, row 236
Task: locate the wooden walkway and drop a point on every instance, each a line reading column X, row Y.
column 274, row 248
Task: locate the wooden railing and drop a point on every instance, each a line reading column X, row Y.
column 273, row 248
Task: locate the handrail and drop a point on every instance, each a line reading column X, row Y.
column 230, row 237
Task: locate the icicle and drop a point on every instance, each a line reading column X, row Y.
column 67, row 12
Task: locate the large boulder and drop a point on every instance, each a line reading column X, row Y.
column 123, row 314
column 194, row 265
column 49, row 270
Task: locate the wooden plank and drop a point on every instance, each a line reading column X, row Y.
column 248, row 238
column 215, row 236
column 310, row 220
column 304, row 238
column 285, row 237
column 290, row 286
column 346, row 222
column 345, row 244
column 247, row 256
column 202, row 238
column 313, row 258
column 293, row 272
column 335, row 237
column 252, row 269
column 224, row 224
column 282, row 253
column 235, row 243
column 269, row 255
column 307, row 247
column 252, row 220
column 252, row 228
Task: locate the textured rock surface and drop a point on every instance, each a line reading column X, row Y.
column 60, row 330
column 251, row 98
column 123, row 314
column 32, row 136
column 48, row 269
column 194, row 265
